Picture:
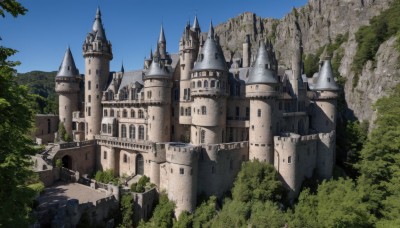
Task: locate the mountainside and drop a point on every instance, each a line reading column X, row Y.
column 321, row 23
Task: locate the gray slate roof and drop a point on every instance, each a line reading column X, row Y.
column 325, row 79
column 195, row 24
column 211, row 56
column 67, row 67
column 157, row 70
column 259, row 74
column 131, row 77
column 98, row 29
column 162, row 36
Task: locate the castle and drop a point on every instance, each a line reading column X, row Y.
column 189, row 120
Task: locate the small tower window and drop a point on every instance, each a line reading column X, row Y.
column 132, row 131
column 90, row 72
column 329, row 79
column 202, row 136
column 205, row 84
column 132, row 113
column 105, row 155
column 182, row 111
column 141, row 115
column 289, row 159
column 112, row 113
column 123, row 131
column 199, row 84
column 89, row 98
column 259, row 112
column 181, row 171
column 89, row 111
column 125, row 158
column 125, row 113
column 141, row 132
column 212, row 83
column 89, row 85
column 203, row 110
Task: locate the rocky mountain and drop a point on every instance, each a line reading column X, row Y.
column 320, row 23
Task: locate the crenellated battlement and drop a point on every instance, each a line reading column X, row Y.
column 181, row 153
column 294, row 138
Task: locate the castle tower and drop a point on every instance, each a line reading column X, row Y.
column 246, row 51
column 97, row 53
column 157, row 90
column 299, row 91
column 162, row 44
column 209, row 79
column 67, row 87
column 261, row 89
column 188, row 51
column 324, row 118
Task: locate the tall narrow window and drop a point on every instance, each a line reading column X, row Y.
column 202, row 136
column 125, row 158
column 89, row 111
column 89, row 98
column 123, row 131
column 289, row 159
column 141, row 115
column 199, row 84
column 132, row 131
column 48, row 126
column 89, row 84
column 203, row 110
column 105, row 112
column 132, row 113
column 141, row 132
column 124, row 113
column 237, row 111
column 112, row 113
column 104, row 154
column 259, row 112
column 205, row 84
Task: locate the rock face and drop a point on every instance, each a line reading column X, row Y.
column 320, row 22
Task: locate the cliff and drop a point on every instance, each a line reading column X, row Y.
column 320, row 23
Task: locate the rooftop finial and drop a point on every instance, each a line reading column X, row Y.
column 122, row 67
column 211, row 31
column 162, row 36
column 151, row 53
column 98, row 12
column 196, row 23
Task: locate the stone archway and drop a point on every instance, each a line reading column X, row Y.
column 139, row 165
column 67, row 162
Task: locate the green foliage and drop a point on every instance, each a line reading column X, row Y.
column 274, row 218
column 258, row 181
column 185, row 220
column 126, row 209
column 379, row 165
column 58, row 163
column 37, row 187
column 370, row 37
column 84, row 221
column 16, row 117
column 140, row 186
column 64, row 136
column 205, row 213
column 163, row 214
column 338, row 203
column 106, row 176
column 41, row 84
column 234, row 214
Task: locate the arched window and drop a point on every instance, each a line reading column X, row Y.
column 203, row 110
column 124, row 113
column 205, row 84
column 110, row 96
column 123, row 131
column 212, row 83
column 193, row 84
column 105, row 112
column 141, row 115
column 132, row 131
column 132, row 113
column 202, row 136
column 141, row 132
column 104, row 128
column 199, row 84
column 125, row 158
column 112, row 113
column 109, row 128
column 149, row 94
column 217, row 84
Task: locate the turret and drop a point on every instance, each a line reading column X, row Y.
column 209, row 80
column 162, row 44
column 246, row 51
column 157, row 91
column 67, row 87
column 97, row 52
column 188, row 51
column 261, row 89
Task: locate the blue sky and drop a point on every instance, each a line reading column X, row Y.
column 43, row 34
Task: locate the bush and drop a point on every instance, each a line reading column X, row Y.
column 140, row 186
column 58, row 163
column 37, row 187
column 105, row 176
column 126, row 209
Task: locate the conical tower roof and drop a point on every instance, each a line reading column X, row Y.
column 211, row 56
column 67, row 67
column 98, row 29
column 162, row 35
column 196, row 24
column 260, row 73
column 326, row 79
column 157, row 70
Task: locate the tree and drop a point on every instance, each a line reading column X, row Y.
column 163, row 215
column 16, row 118
column 127, row 210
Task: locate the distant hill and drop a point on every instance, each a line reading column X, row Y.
column 42, row 84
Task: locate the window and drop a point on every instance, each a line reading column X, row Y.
column 193, row 84
column 104, row 154
column 141, row 132
column 205, row 84
column 259, row 112
column 181, row 171
column 89, row 111
column 237, row 111
column 104, row 128
column 123, row 131
column 212, row 83
column 149, row 94
column 109, row 129
column 217, row 84
column 289, row 159
column 105, row 112
column 185, row 94
column 203, row 110
column 90, row 72
column 89, row 98
column 97, row 72
column 202, row 136
column 172, row 171
column 89, row 83
column 112, row 113
column 252, row 127
column 125, row 158
column 247, row 113
column 181, row 111
column 124, row 113
column 199, row 84
column 141, row 115
column 132, row 113
column 48, row 126
column 132, row 131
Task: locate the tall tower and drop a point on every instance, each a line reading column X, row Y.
column 246, row 51
column 261, row 89
column 157, row 91
column 188, row 51
column 209, row 79
column 97, row 53
column 67, row 87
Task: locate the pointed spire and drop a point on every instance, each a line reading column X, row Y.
column 260, row 73
column 122, row 67
column 151, row 53
column 161, row 39
column 210, row 34
column 67, row 67
column 195, row 23
column 98, row 13
column 326, row 79
column 98, row 26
